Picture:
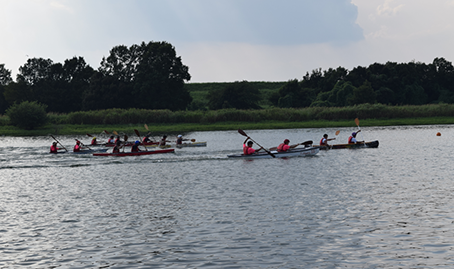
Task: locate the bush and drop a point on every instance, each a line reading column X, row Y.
column 27, row 115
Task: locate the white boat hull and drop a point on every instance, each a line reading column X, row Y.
column 310, row 151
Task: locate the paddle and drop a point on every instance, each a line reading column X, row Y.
column 337, row 132
column 244, row 134
column 115, row 132
column 106, row 132
column 357, row 124
column 83, row 144
column 138, row 134
column 59, row 143
column 89, row 135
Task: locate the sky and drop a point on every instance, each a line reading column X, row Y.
column 232, row 40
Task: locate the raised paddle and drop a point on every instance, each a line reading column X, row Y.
column 106, row 132
column 89, row 135
column 138, row 134
column 357, row 124
column 337, row 132
column 59, row 143
column 244, row 134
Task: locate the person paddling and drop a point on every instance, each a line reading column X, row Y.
column 77, row 147
column 94, row 142
column 135, row 147
column 324, row 140
column 54, row 148
column 247, row 149
column 111, row 140
column 352, row 138
column 163, row 141
column 117, row 147
column 285, row 146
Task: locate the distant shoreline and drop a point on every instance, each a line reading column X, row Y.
column 183, row 128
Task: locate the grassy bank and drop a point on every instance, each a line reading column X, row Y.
column 160, row 129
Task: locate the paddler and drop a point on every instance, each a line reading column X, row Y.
column 117, row 147
column 247, row 149
column 180, row 140
column 352, row 138
column 94, row 142
column 284, row 146
column 111, row 140
column 163, row 141
column 324, row 140
column 54, row 148
column 77, row 147
column 135, row 146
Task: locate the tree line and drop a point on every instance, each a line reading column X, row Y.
column 152, row 76
column 149, row 75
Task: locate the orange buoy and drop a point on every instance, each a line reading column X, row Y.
column 438, row 134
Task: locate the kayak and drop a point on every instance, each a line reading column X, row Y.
column 139, row 153
column 130, row 144
column 308, row 151
column 371, row 144
column 85, row 151
column 192, row 144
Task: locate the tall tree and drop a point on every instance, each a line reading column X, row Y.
column 240, row 95
column 155, row 72
column 5, row 79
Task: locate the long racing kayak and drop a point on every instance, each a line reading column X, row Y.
column 371, row 144
column 308, row 151
column 139, row 153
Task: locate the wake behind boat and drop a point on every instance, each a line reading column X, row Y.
column 301, row 152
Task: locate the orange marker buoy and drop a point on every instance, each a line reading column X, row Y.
column 438, row 134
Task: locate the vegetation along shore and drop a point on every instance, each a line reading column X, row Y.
column 168, row 122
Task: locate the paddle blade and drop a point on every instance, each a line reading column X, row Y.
column 115, row 132
column 146, row 127
column 89, row 135
column 137, row 132
column 106, row 132
column 193, row 140
column 357, row 121
column 126, row 138
column 307, row 143
column 242, row 132
column 337, row 132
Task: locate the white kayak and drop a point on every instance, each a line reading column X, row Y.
column 308, row 151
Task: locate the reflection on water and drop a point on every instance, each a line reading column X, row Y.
column 388, row 207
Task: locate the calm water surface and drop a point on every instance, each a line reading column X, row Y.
column 390, row 207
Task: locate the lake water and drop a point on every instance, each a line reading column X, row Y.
column 389, row 207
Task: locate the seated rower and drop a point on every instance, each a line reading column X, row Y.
column 117, row 147
column 94, row 142
column 247, row 149
column 285, row 146
column 324, row 140
column 77, row 147
column 135, row 147
column 54, row 148
column 352, row 138
column 163, row 141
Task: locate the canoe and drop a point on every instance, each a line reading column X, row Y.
column 371, row 144
column 140, row 153
column 308, row 151
column 192, row 144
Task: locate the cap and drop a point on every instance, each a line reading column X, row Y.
column 180, row 136
column 137, row 142
column 286, row 141
column 94, row 138
column 78, row 142
column 353, row 134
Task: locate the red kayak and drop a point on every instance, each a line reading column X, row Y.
column 129, row 144
column 122, row 154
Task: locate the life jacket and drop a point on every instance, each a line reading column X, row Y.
column 350, row 140
column 179, row 141
column 93, row 142
column 135, row 148
column 53, row 149
column 321, row 142
column 279, row 148
column 246, row 150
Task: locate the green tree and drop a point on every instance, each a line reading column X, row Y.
column 155, row 72
column 363, row 94
column 5, row 79
column 240, row 95
column 27, row 115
